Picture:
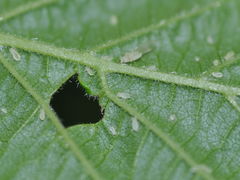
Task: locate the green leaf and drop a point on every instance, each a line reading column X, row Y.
column 171, row 110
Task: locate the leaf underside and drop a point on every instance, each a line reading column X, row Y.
column 183, row 93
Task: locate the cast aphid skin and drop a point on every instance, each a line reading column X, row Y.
column 210, row 40
column 42, row 115
column 201, row 168
column 16, row 56
column 135, row 124
column 229, row 56
column 90, row 71
column 4, row 110
column 123, row 95
column 217, row 74
column 113, row 130
column 216, row 62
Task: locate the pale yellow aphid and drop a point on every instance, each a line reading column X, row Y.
column 90, row 71
column 123, row 95
column 16, row 56
column 113, row 130
column 135, row 54
column 201, row 168
column 42, row 115
column 135, row 124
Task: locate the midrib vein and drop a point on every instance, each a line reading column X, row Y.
column 51, row 115
column 162, row 135
column 87, row 59
column 24, row 9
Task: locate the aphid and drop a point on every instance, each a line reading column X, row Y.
column 172, row 117
column 216, row 62
column 217, row 74
column 1, row 18
column 229, row 56
column 113, row 130
column 16, row 56
column 197, row 59
column 210, row 40
column 131, row 56
column 90, row 71
column 42, row 115
column 123, row 95
column 201, row 168
column 135, row 124
column 135, row 54
column 4, row 110
column 113, row 20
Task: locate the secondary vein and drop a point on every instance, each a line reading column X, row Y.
column 162, row 135
column 154, row 27
column 74, row 148
column 24, row 8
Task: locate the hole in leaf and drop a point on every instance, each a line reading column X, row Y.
column 73, row 106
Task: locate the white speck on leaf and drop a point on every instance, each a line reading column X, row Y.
column 113, row 130
column 216, row 62
column 113, row 20
column 35, row 39
column 197, row 59
column 217, row 4
column 1, row 48
column 90, row 71
column 42, row 115
column 172, row 117
column 229, row 56
column 123, row 95
column 4, row 110
column 162, row 22
column 135, row 124
column 217, row 74
column 210, row 40
column 16, row 56
column 201, row 168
